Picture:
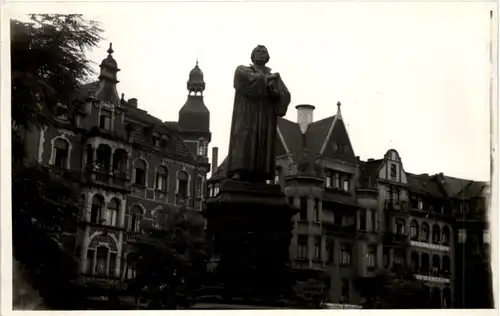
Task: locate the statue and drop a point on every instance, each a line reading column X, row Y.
column 260, row 98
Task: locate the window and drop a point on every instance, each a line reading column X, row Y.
column 156, row 140
column 105, row 119
column 61, row 112
column 120, row 161
column 303, row 208
column 414, row 230
column 462, row 235
column 436, row 234
column 140, row 172
column 61, row 150
column 337, row 181
column 414, row 262
column 216, row 189
column 291, row 200
column 182, row 184
column 161, row 179
column 102, row 260
column 374, row 220
column 131, row 269
column 425, row 262
column 385, row 258
column 400, row 226
column 277, row 176
column 345, row 254
column 96, row 209
column 199, row 187
column 328, row 179
column 210, row 190
column 436, row 264
column 394, row 172
column 345, row 220
column 371, row 257
column 317, row 248
column 89, row 156
column 329, row 249
column 362, row 219
column 425, row 232
column 136, row 217
column 89, row 269
column 346, row 183
column 316, row 210
column 446, row 267
column 163, row 142
column 201, row 147
column 113, row 209
column 302, row 247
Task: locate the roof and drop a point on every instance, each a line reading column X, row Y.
column 425, row 184
column 368, row 173
column 176, row 148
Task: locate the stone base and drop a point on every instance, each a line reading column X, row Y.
column 250, row 226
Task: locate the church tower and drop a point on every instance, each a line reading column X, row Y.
column 194, row 117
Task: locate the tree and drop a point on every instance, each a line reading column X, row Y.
column 47, row 65
column 390, row 291
column 171, row 259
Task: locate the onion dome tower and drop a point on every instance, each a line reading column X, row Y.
column 194, row 116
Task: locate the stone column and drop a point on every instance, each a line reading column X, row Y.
column 85, row 238
column 121, row 223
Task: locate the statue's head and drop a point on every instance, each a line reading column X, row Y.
column 260, row 55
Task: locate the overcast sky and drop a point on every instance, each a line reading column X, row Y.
column 410, row 76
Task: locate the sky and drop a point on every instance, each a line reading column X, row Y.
column 410, row 76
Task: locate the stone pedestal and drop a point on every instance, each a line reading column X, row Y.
column 250, row 229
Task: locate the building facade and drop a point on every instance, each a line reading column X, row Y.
column 130, row 165
column 360, row 217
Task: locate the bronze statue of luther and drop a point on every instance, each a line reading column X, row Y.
column 260, row 98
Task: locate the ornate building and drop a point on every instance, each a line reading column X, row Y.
column 131, row 165
column 360, row 217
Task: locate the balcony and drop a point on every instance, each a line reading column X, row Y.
column 131, row 237
column 396, row 239
column 396, row 206
column 107, row 178
column 330, row 227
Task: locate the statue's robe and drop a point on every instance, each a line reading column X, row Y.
column 254, row 124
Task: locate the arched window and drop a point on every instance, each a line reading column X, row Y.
column 446, row 267
column 161, row 179
column 424, row 229
column 96, row 209
column 113, row 210
column 182, row 184
column 61, row 153
column 140, row 172
column 415, row 262
column 425, row 262
column 436, row 264
column 436, row 234
column 446, row 298
column 446, row 235
column 102, row 260
column 414, row 230
column 134, row 219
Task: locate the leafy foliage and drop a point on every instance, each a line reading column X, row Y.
column 171, row 259
column 47, row 63
column 388, row 291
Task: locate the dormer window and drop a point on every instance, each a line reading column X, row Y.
column 105, row 119
column 394, row 171
column 328, row 179
column 62, row 112
column 156, row 141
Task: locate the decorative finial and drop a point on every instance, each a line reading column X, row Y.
column 123, row 96
column 110, row 50
column 339, row 114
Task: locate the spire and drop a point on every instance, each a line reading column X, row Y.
column 339, row 114
column 196, row 84
column 106, row 90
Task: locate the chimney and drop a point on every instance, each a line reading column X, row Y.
column 132, row 102
column 304, row 116
column 215, row 153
